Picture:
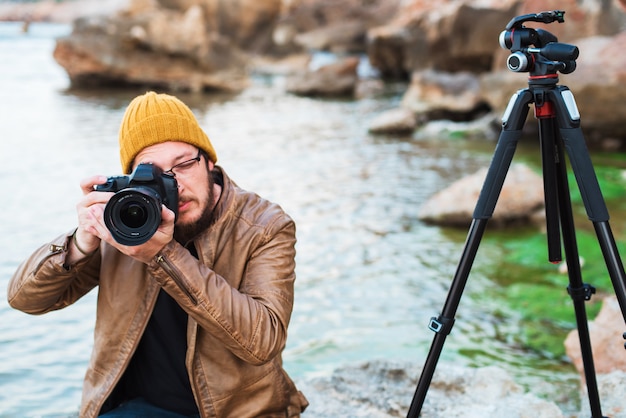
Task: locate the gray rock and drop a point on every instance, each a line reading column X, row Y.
column 386, row 389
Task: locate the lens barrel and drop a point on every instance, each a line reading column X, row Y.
column 133, row 215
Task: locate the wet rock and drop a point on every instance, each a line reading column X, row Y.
column 335, row 79
column 519, row 201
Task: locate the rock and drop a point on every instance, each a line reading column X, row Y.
column 462, row 35
column 186, row 45
column 607, row 344
column 395, row 121
column 521, row 197
column 611, row 390
column 335, row 79
column 339, row 26
column 445, row 35
column 439, row 95
column 485, row 127
column 386, row 389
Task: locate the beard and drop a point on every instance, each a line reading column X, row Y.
column 186, row 232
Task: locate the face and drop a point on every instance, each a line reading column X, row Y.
column 196, row 197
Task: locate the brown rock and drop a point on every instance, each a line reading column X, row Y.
column 521, row 197
column 607, row 344
column 444, row 95
column 336, row 79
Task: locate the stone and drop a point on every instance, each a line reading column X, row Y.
column 607, row 343
column 441, row 95
column 521, row 197
column 336, row 79
column 394, row 121
column 385, row 389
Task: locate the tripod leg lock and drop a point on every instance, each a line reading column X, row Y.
column 441, row 325
column 581, row 293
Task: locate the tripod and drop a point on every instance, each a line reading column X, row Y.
column 559, row 132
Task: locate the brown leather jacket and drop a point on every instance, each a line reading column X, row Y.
column 239, row 297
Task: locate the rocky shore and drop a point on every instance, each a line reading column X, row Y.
column 447, row 54
column 447, row 51
column 385, row 389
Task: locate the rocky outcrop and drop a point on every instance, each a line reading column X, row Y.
column 385, row 389
column 520, row 200
column 203, row 45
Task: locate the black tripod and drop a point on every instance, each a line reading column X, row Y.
column 559, row 129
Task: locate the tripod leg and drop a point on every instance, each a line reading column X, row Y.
column 579, row 292
column 574, row 141
column 512, row 123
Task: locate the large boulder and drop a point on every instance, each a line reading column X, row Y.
column 173, row 44
column 520, row 199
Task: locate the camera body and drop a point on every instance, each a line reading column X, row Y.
column 133, row 214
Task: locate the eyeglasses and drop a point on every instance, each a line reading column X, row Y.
column 184, row 169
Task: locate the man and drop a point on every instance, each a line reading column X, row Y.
column 193, row 322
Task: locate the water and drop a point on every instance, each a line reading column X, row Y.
column 370, row 275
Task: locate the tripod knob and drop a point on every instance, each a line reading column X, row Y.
column 517, row 62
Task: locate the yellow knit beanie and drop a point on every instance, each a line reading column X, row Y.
column 154, row 118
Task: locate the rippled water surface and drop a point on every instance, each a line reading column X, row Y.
column 370, row 275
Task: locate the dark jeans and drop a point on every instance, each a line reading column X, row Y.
column 138, row 408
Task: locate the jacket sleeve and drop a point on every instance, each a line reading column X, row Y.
column 250, row 320
column 42, row 283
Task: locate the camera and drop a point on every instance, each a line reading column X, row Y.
column 133, row 214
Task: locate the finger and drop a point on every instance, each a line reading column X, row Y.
column 87, row 184
column 167, row 215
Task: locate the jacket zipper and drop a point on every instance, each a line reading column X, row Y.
column 176, row 276
column 54, row 249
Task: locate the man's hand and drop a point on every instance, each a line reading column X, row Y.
column 92, row 229
column 148, row 250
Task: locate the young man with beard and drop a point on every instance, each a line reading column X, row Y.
column 193, row 322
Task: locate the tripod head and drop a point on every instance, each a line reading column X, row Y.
column 536, row 50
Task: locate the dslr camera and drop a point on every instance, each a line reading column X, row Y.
column 133, row 214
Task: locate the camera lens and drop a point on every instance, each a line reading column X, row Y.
column 133, row 215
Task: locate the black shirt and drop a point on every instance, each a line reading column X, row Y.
column 157, row 371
